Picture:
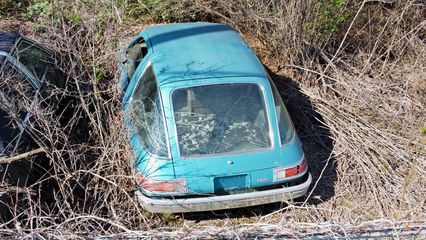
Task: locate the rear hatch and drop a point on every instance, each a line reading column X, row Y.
column 224, row 137
column 227, row 174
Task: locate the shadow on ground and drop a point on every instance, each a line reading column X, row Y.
column 317, row 145
column 315, row 137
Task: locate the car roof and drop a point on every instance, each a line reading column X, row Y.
column 7, row 40
column 185, row 51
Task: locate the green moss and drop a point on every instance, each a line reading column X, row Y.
column 385, row 168
column 170, row 218
column 349, row 201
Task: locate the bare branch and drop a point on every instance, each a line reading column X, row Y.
column 21, row 156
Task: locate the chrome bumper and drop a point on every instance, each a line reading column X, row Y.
column 223, row 202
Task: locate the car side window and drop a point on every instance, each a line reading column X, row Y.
column 16, row 98
column 33, row 57
column 40, row 63
column 55, row 76
column 134, row 56
column 147, row 114
column 285, row 124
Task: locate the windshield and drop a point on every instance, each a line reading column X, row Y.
column 220, row 118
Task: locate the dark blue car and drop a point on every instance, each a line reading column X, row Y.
column 27, row 71
column 207, row 125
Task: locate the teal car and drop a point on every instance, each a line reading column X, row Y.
column 207, row 125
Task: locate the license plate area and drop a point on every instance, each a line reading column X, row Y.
column 229, row 184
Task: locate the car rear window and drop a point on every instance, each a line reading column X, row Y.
column 220, row 119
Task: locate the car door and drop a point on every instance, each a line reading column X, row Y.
column 17, row 98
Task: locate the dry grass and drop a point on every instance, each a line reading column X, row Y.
column 358, row 105
column 371, row 99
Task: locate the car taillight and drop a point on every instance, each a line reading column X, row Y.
column 163, row 186
column 281, row 173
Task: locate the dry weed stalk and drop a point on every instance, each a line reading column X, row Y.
column 367, row 89
column 367, row 155
column 86, row 182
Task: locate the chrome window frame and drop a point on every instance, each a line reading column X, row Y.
column 35, row 83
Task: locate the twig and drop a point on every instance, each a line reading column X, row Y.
column 346, row 35
column 21, row 156
column 382, row 1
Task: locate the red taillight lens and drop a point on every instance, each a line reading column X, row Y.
column 281, row 173
column 303, row 166
column 166, row 186
column 293, row 171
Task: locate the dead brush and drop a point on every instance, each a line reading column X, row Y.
column 366, row 91
column 95, row 183
column 372, row 107
column 380, row 169
column 86, row 183
column 280, row 26
column 371, row 100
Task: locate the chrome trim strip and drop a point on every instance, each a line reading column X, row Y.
column 32, row 43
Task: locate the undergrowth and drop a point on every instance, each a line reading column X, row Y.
column 357, row 100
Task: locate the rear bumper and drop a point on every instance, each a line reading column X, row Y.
column 223, row 202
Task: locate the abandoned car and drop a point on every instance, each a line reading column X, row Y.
column 27, row 70
column 207, row 125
